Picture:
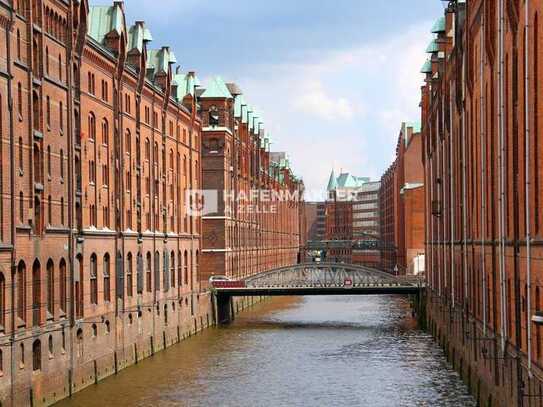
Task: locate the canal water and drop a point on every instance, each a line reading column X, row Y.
column 309, row 351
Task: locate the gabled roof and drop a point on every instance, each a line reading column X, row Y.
column 185, row 84
column 216, row 89
column 332, row 182
column 439, row 26
column 138, row 35
column 432, row 47
column 238, row 103
column 427, row 67
column 103, row 20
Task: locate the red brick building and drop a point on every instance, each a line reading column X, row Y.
column 401, row 201
column 249, row 231
column 100, row 147
column 481, row 138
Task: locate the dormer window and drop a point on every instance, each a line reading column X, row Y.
column 213, row 116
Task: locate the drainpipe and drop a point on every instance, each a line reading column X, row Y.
column 483, row 171
column 451, row 146
column 527, row 184
column 438, row 166
column 464, row 208
column 501, row 144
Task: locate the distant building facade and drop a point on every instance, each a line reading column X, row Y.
column 401, row 202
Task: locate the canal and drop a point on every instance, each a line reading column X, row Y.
column 310, row 351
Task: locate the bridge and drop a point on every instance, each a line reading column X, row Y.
column 312, row 279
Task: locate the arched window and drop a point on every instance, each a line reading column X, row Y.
column 37, row 216
column 18, row 44
column 50, row 210
column 128, row 143
column 62, row 284
column 107, row 284
column 21, row 208
column 78, row 286
column 49, row 161
column 147, row 149
column 62, row 211
column 36, row 110
column 79, row 337
column 2, row 301
column 59, row 67
column 148, row 272
column 172, row 268
column 21, row 157
column 129, row 282
column 20, row 100
column 36, row 293
column 48, row 111
column 157, row 271
column 50, row 345
column 37, row 164
column 179, row 270
column 139, row 273
column 105, row 132
column 186, row 266
column 93, row 279
column 92, row 127
column 61, row 163
column 47, row 60
column 36, row 355
column 50, row 287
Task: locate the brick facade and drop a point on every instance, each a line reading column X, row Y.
column 100, row 140
column 401, row 201
column 481, row 132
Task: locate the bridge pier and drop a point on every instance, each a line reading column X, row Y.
column 223, row 308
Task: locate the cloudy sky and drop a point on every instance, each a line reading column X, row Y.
column 333, row 78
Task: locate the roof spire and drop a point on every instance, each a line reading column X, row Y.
column 332, row 182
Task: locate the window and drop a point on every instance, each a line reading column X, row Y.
column 20, row 100
column 21, row 154
column 78, row 286
column 93, row 280
column 61, row 117
column 50, row 287
column 48, row 112
column 21, row 208
column 92, row 127
column 186, row 265
column 49, row 210
column 129, row 282
column 47, row 60
column 92, row 172
column 62, row 211
column 147, row 114
column 147, row 149
column 105, row 175
column 2, row 301
column 36, row 355
column 50, row 341
column 61, row 158
column 104, row 90
column 59, row 67
column 36, row 293
column 62, row 285
column 18, row 44
column 105, row 132
column 49, row 161
column 172, row 269
column 148, row 273
column 107, row 288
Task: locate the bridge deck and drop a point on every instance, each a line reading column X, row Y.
column 288, row 291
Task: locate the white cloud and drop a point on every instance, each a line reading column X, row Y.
column 313, row 99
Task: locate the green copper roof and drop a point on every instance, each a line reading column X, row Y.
column 238, row 103
column 244, row 112
column 416, row 126
column 184, row 84
column 250, row 118
column 137, row 36
column 159, row 60
column 104, row 20
column 216, row 89
column 439, row 26
column 332, row 182
column 432, row 47
column 427, row 67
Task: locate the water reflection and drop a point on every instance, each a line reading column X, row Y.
column 323, row 351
